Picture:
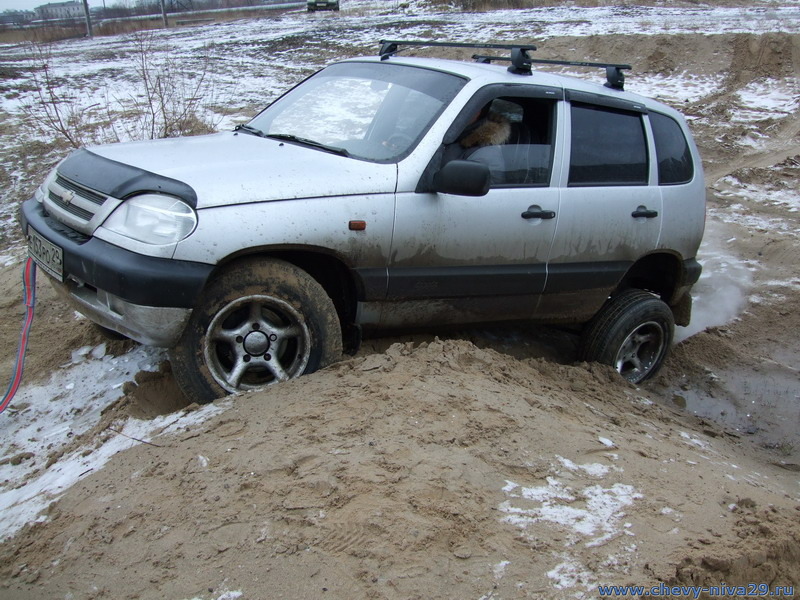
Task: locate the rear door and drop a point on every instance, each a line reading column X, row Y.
column 610, row 210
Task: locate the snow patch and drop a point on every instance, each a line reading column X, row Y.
column 593, row 512
column 44, row 419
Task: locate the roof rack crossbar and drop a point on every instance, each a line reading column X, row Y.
column 615, row 78
column 519, row 58
column 389, row 47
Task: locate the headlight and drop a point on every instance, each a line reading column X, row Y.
column 153, row 219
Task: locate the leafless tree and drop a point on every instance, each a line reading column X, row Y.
column 169, row 99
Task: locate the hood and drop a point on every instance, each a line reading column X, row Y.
column 237, row 168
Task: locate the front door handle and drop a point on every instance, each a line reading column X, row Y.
column 536, row 212
column 643, row 211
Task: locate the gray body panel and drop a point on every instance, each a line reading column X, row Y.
column 423, row 257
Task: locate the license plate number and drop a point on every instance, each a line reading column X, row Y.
column 46, row 254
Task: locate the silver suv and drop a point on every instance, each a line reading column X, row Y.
column 385, row 192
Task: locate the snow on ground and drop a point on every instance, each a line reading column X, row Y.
column 590, row 515
column 722, row 291
column 742, row 215
column 547, row 22
column 244, row 69
column 725, row 285
column 767, row 98
column 44, row 419
column 235, row 52
column 769, row 195
column 674, row 89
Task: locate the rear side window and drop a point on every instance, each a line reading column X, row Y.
column 672, row 151
column 608, row 147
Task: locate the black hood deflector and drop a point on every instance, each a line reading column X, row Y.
column 119, row 180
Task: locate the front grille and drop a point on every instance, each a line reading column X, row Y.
column 75, row 205
column 71, row 208
column 81, row 191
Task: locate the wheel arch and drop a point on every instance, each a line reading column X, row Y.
column 326, row 268
column 664, row 274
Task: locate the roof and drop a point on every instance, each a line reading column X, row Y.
column 485, row 74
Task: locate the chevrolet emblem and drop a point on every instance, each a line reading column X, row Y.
column 68, row 196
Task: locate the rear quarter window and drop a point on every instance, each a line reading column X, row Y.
column 672, row 151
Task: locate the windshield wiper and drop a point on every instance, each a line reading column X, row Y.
column 306, row 142
column 249, row 129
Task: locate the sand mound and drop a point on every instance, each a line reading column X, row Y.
column 380, row 475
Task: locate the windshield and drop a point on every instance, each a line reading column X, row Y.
column 372, row 111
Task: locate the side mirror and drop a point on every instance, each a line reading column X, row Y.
column 462, row 178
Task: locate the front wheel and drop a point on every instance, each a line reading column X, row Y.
column 632, row 333
column 259, row 322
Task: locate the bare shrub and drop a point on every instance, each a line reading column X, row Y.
column 56, row 108
column 169, row 100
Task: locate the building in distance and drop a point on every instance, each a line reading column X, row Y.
column 59, row 10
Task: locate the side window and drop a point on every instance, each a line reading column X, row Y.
column 608, row 147
column 672, row 151
column 514, row 138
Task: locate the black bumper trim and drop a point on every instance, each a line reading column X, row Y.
column 574, row 277
column 466, row 281
column 693, row 271
column 139, row 279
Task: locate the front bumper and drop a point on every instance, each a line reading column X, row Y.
column 145, row 298
column 150, row 325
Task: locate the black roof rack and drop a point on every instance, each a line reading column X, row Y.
column 390, row 47
column 615, row 78
column 519, row 58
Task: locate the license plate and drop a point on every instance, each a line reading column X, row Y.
column 46, row 254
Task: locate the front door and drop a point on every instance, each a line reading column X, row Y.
column 458, row 259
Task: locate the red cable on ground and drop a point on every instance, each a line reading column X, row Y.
column 29, row 297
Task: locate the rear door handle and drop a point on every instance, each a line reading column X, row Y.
column 643, row 211
column 536, row 212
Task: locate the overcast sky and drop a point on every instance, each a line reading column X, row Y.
column 31, row 4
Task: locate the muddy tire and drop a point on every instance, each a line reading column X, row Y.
column 632, row 333
column 259, row 322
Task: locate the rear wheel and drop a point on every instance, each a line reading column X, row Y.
column 632, row 333
column 258, row 322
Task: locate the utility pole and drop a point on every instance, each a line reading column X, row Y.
column 88, row 18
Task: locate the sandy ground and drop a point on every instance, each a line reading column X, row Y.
column 479, row 464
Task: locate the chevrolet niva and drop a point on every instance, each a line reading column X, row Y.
column 386, row 192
